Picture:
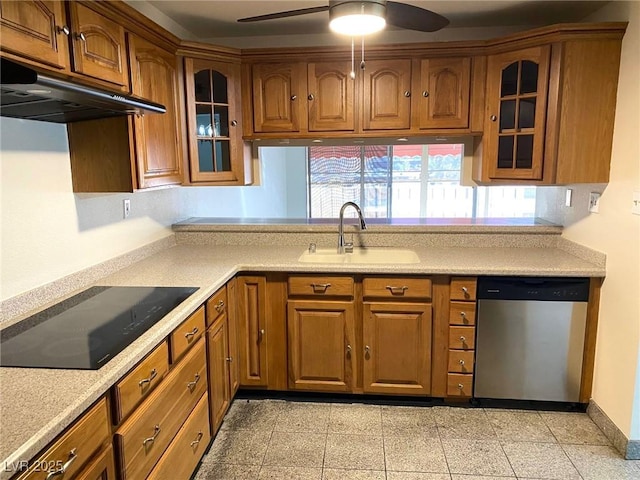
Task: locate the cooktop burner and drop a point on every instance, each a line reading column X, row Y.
column 89, row 329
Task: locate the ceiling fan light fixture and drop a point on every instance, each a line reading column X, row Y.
column 357, row 18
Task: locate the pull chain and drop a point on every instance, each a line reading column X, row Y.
column 362, row 61
column 353, row 60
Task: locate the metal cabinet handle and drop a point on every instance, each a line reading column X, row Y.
column 367, row 349
column 234, row 123
column 407, row 93
column 493, row 118
column 461, row 362
column 462, row 339
column 219, row 306
column 397, row 290
column 293, row 98
column 229, row 359
column 425, row 94
column 192, row 385
column 261, row 333
column 197, row 440
column 151, row 439
column 348, row 349
column 189, row 335
column 320, row 287
column 63, row 29
column 153, row 374
column 310, row 97
column 460, row 386
column 80, row 36
column 62, row 470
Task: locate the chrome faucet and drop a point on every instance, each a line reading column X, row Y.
column 342, row 246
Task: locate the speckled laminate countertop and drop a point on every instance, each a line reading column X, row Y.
column 37, row 404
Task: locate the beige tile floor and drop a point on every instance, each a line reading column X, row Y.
column 276, row 439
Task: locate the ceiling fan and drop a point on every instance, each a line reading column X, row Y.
column 345, row 15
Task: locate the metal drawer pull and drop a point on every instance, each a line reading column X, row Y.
column 219, row 306
column 192, row 385
column 462, row 339
column 320, row 287
column 189, row 335
column 156, row 432
column 197, row 440
column 153, row 374
column 62, row 470
column 367, row 349
column 461, row 362
column 463, row 315
column 397, row 290
column 460, row 386
column 465, row 290
column 348, row 349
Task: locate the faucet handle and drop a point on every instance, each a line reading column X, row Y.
column 312, row 248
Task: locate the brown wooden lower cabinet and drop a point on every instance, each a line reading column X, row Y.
column 102, row 468
column 181, row 458
column 254, row 338
column 217, row 355
column 397, row 348
column 321, row 345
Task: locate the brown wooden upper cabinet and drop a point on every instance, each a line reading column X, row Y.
column 516, row 112
column 387, row 95
column 213, row 107
column 444, row 93
column 279, row 93
column 158, row 141
column 331, row 97
column 42, row 31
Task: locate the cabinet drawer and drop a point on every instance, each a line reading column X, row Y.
column 187, row 334
column 140, row 381
column 145, row 435
column 462, row 313
column 462, row 338
column 463, row 288
column 392, row 287
column 461, row 361
column 76, row 446
column 216, row 305
column 184, row 453
column 102, row 468
column 459, row 385
column 321, row 286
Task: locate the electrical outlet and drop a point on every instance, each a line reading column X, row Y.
column 635, row 206
column 126, row 208
column 594, row 202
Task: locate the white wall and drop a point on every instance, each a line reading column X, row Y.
column 47, row 232
column 616, row 232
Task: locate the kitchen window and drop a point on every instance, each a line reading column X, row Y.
column 405, row 181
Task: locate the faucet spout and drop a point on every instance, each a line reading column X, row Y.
column 342, row 246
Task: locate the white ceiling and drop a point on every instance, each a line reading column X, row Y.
column 210, row 19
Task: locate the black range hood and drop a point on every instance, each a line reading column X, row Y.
column 28, row 94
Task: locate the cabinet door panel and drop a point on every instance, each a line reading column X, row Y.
column 251, row 329
column 98, row 45
column 397, row 348
column 33, row 29
column 320, row 345
column 330, row 96
column 158, row 144
column 514, row 132
column 445, row 89
column 232, row 330
column 278, row 95
column 387, row 95
column 219, row 396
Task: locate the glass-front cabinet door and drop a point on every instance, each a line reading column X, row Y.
column 215, row 143
column 516, row 109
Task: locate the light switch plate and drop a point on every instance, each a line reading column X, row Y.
column 567, row 198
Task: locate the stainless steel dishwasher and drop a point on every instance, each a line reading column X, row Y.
column 530, row 338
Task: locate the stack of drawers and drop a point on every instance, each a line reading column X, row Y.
column 462, row 334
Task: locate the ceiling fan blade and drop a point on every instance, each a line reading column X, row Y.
column 289, row 13
column 414, row 18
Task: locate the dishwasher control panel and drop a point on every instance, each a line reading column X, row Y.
column 571, row 289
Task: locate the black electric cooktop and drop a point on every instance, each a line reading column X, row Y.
column 89, row 329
